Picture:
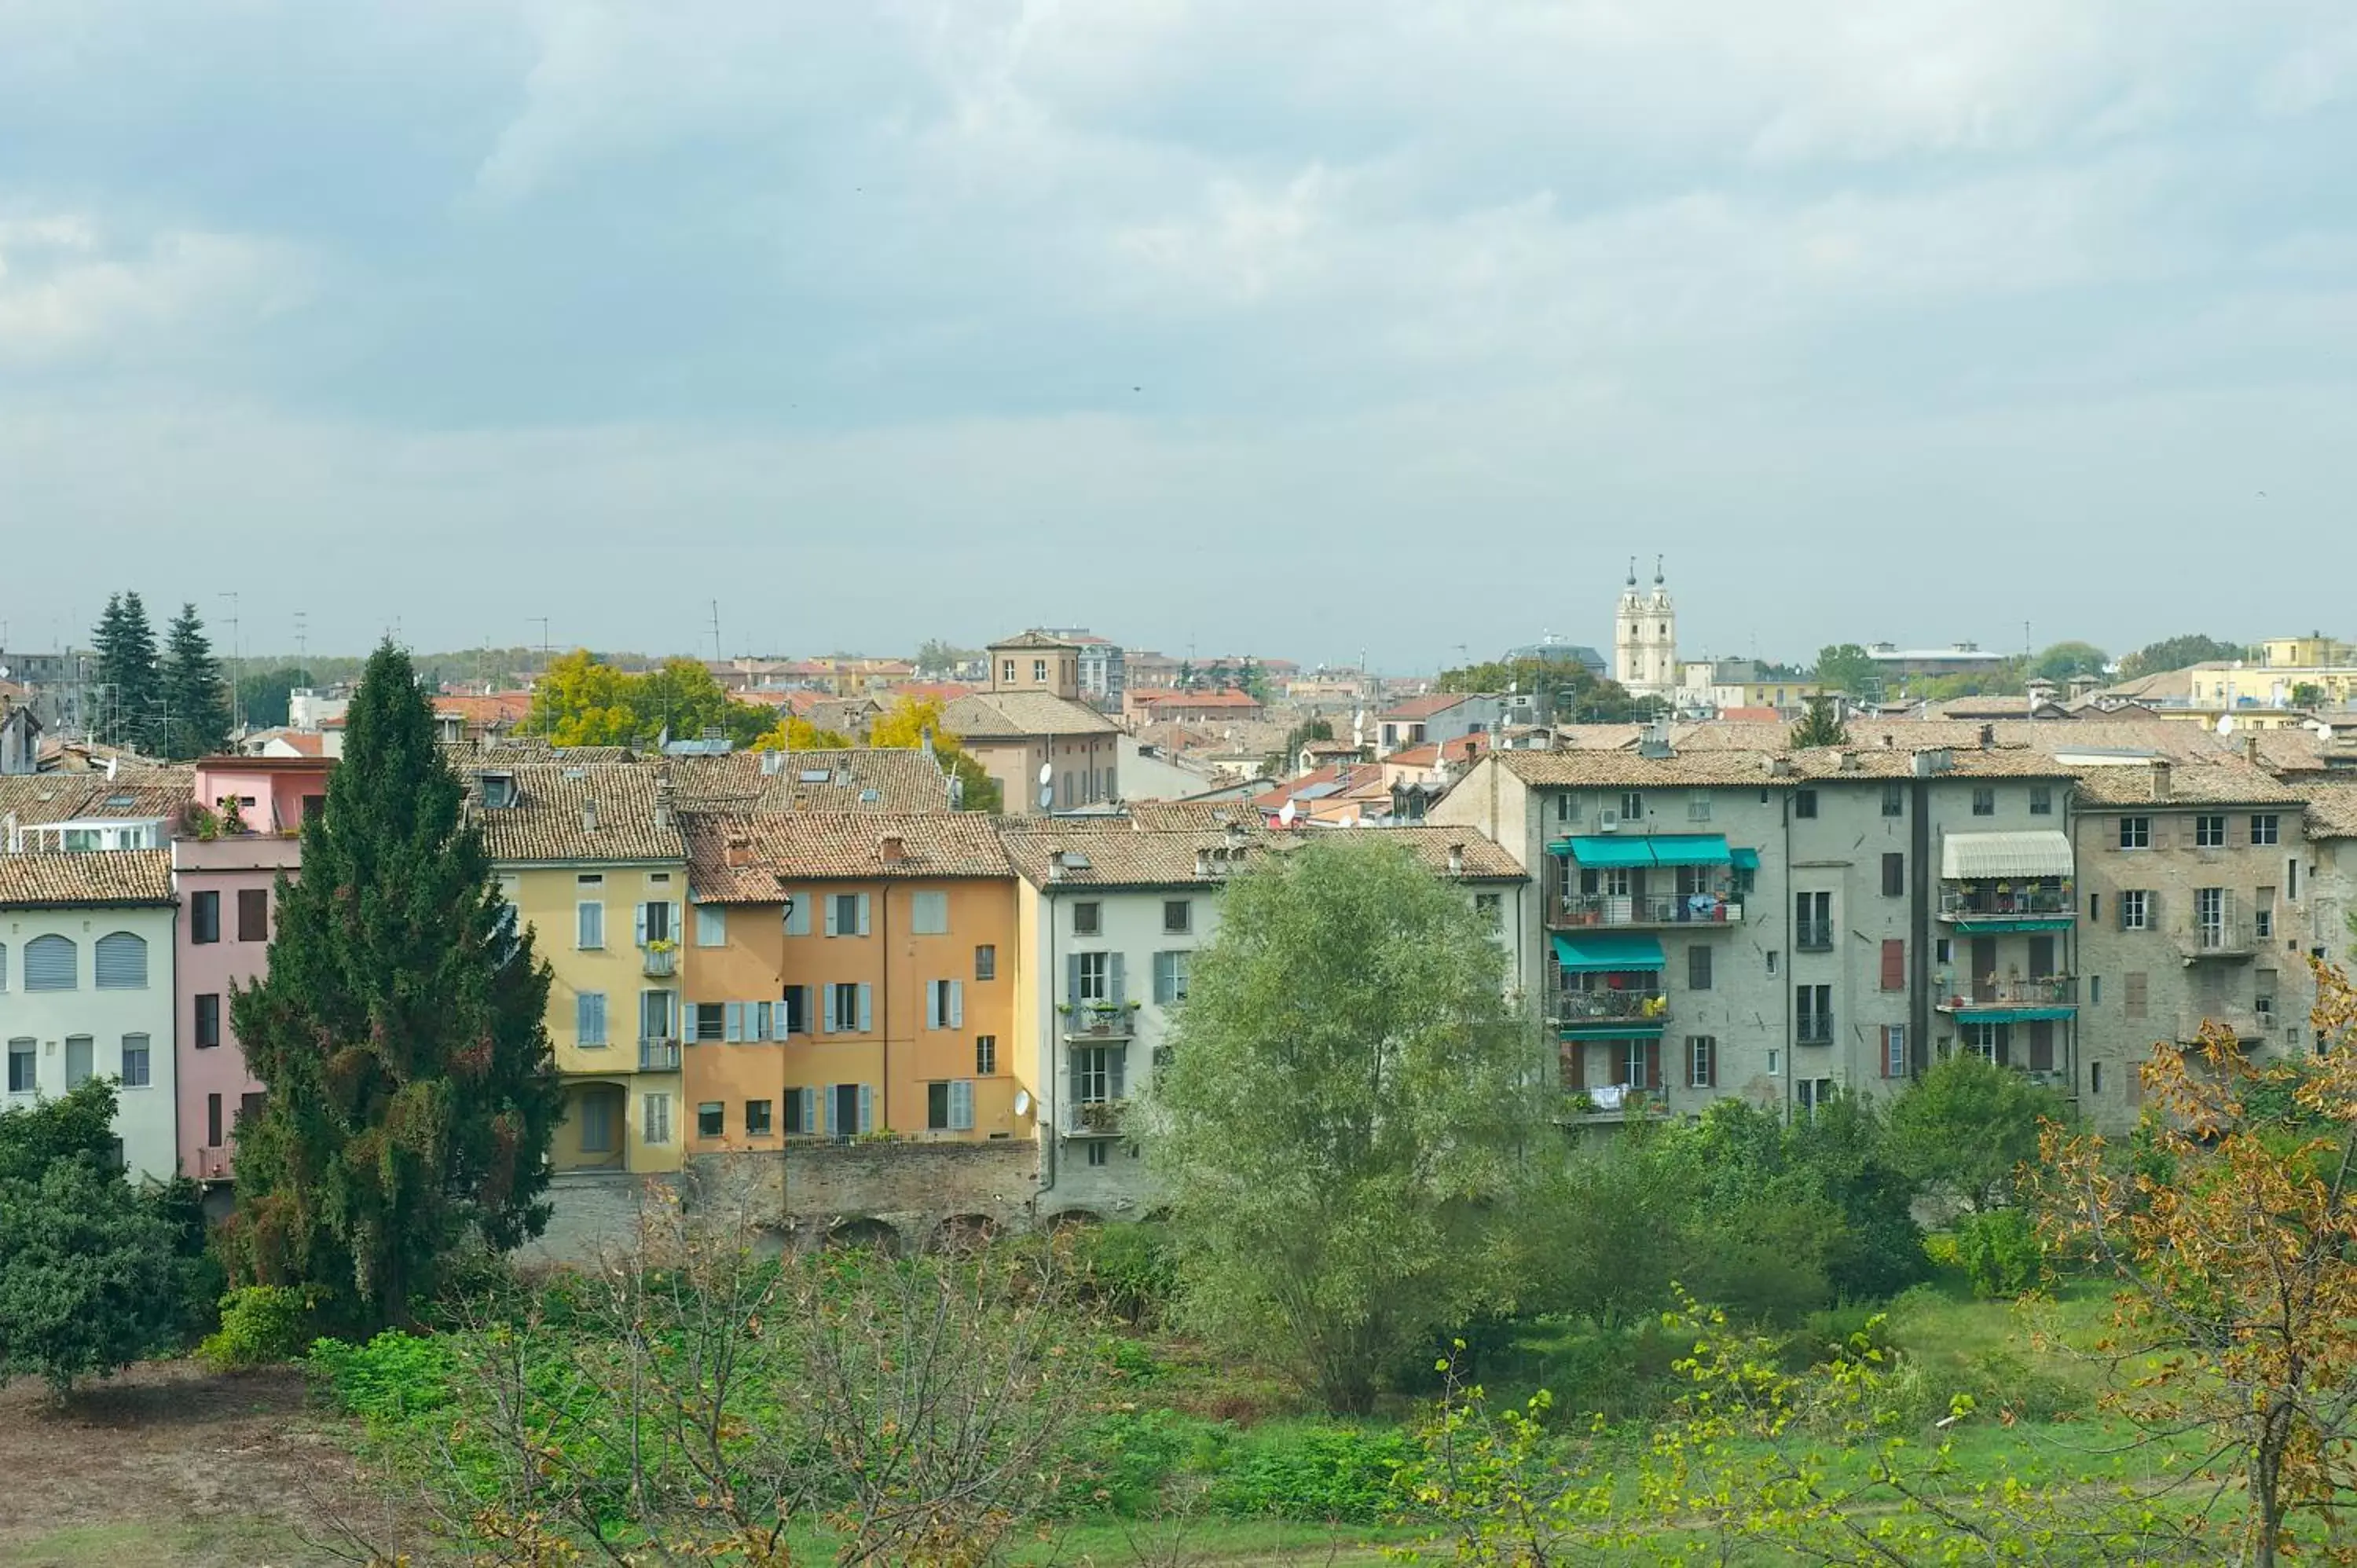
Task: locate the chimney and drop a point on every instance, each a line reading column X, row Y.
column 2159, row 780
column 1203, row 863
column 662, row 799
column 588, row 816
column 1988, row 737
column 740, row 849
column 1849, row 760
column 1055, row 866
column 2251, row 748
column 892, row 849
column 1779, row 767
column 1457, row 860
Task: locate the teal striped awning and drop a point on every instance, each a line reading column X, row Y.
column 1605, row 851
column 2016, row 1014
column 1692, row 849
column 1599, row 951
column 1746, row 860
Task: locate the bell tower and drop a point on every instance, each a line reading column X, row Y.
column 1628, row 633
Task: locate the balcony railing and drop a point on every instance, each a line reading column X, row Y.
column 2247, row 1024
column 2047, row 991
column 1813, row 936
column 1981, row 901
column 2217, row 939
column 1613, row 1103
column 1099, row 1021
column 1095, row 1118
column 1577, row 909
column 1575, row 1008
column 658, row 963
column 658, row 1056
column 212, row 1165
column 1814, row 1029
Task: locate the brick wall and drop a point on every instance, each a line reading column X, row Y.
column 909, row 1184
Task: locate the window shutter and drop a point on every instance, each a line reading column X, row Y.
column 1575, row 1065
column 584, row 1015
column 798, row 917
column 732, row 1021
column 863, row 914
column 639, row 917
column 933, row 1004
column 1652, row 1064
column 51, row 963
column 957, row 1002
column 809, row 1113
column 758, row 1026
column 121, row 962
column 831, row 923
column 679, row 925
column 826, row 1009
column 4, row 966
column 866, row 1019
column 1079, row 1078
column 962, row 1106
column 1894, row 963
column 780, row 1016
column 1071, row 977
column 866, row 1106
column 829, row 1092
column 1117, row 992
column 1116, row 1073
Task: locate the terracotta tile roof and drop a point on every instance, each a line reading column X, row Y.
column 1007, row 715
column 1484, row 860
column 133, row 792
column 1463, row 749
column 499, row 707
column 1193, row 816
column 898, row 781
column 2332, row 808
column 2217, row 781
column 744, row 859
column 1228, row 698
column 1423, row 707
column 1354, row 779
column 114, row 877
column 1033, row 638
column 1132, row 854
column 548, row 823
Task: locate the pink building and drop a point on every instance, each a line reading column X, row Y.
column 224, row 885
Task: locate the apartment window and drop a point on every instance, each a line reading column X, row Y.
column 2210, row 830
column 588, row 926
column 1093, row 977
column 1894, row 874
column 2094, row 1077
column 944, row 1004
column 1894, row 963
column 711, row 1119
column 253, row 914
column 1698, row 807
column 2135, row 832
column 1698, row 966
column 52, row 964
column 209, row 1019
column 1894, row 1050
column 949, row 1107
column 314, row 807
column 590, row 1019
column 757, row 1119
column 121, row 962
column 1088, row 918
column 1981, row 1039
column 985, row 1056
column 1775, row 1062
column 711, row 926
column 1562, row 805
column 654, row 924
column 22, row 1060
column 1006, row 670
column 793, row 1010
column 846, row 914
column 2265, row 827
column 2291, row 882
column 2041, row 801
column 1983, row 801
column 1100, row 1153
column 1894, row 799
column 1633, row 806
column 2132, row 998
column 847, row 1009
column 1641, row 1065
column 706, row 1021
column 2094, row 991
column 2136, row 909
column 1040, row 671
column 82, row 1060
column 1943, row 950
column 2262, row 922
column 1702, row 1061
column 135, row 1061
column 212, row 1120
column 204, row 918
column 929, row 914
column 986, row 961
column 1805, row 802
column 1771, row 960
column 655, row 1112
column 1491, row 909
column 1812, row 1011
column 1813, row 915
column 1170, row 977
column 1178, row 916
column 657, row 1021
column 2095, row 906
column 1096, row 1074
column 802, row 1112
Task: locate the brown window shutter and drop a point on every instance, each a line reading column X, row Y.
column 1575, row 1064
column 1653, row 1064
column 1894, row 963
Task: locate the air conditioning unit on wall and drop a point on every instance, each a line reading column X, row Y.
column 1607, row 822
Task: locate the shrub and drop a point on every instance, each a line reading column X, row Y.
column 259, row 1325
column 89, row 1278
column 1345, row 1474
column 1127, row 1459
column 1126, row 1268
column 2001, row 1252
column 388, row 1379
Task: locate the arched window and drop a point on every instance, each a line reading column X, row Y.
column 121, row 962
column 51, row 965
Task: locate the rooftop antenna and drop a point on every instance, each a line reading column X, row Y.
column 715, row 631
column 303, row 644
column 236, row 664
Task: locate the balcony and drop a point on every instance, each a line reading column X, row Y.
column 1098, row 1021
column 2005, row 906
column 212, row 1165
column 2217, row 939
column 2250, row 1026
column 2050, row 995
column 1641, row 910
column 1604, row 1012
column 1095, row 1118
column 658, row 1056
column 1610, row 1102
column 659, row 963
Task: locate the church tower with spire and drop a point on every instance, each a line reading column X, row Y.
column 1645, row 637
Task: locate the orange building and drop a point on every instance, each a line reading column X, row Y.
column 847, row 972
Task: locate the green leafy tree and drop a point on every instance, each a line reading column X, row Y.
column 133, row 691
column 582, row 700
column 1968, row 1127
column 911, row 722
column 1607, row 1234
column 2066, row 659
column 1821, row 725
column 1848, row 669
column 1346, row 1117
column 681, row 698
column 398, row 1034
column 937, row 657
column 267, row 696
column 2308, row 694
column 2177, row 653
column 196, row 700
column 1580, row 695
column 1281, row 763
column 92, row 1278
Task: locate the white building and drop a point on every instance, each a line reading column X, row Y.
column 86, row 942
column 1645, row 639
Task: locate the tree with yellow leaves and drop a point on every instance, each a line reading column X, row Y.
column 2234, row 1238
column 910, row 722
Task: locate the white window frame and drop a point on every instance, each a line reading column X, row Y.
column 2135, row 908
column 145, row 1047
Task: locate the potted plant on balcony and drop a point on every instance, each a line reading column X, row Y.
column 1101, row 1115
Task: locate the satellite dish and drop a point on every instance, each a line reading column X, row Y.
column 1023, row 1102
column 1047, row 773
column 1285, row 817
column 2323, row 730
column 2225, row 723
column 1047, row 798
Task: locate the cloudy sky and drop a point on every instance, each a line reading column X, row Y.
column 1284, row 325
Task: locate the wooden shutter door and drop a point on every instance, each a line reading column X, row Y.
column 1894, row 963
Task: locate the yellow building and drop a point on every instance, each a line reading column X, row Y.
column 850, row 973
column 595, row 867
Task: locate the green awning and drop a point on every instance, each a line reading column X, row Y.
column 1746, row 860
column 1607, row 1029
column 2016, row 1014
column 1992, row 924
column 1691, row 849
column 1606, row 950
column 1604, row 851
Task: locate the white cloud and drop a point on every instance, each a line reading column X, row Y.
column 70, row 291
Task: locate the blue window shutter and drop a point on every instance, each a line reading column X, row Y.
column 1115, row 991
column 1072, row 979
column 866, row 1019
column 962, row 1106
column 933, row 1004
column 830, row 916
column 828, row 1093
column 1117, row 1059
column 866, row 1109
column 957, row 1004
column 760, row 1030
column 827, row 1010
column 639, row 914
column 863, row 914
column 732, row 1021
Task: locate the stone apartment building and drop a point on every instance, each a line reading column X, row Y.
column 1048, row 750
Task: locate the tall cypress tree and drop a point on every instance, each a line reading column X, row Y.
column 400, row 1035
column 129, row 707
column 196, row 699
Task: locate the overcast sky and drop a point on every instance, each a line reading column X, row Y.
column 1291, row 327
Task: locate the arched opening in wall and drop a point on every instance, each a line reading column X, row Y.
column 860, row 1230
column 1068, row 1219
column 771, row 1241
column 966, row 1233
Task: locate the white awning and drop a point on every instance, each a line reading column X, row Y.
column 1973, row 856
